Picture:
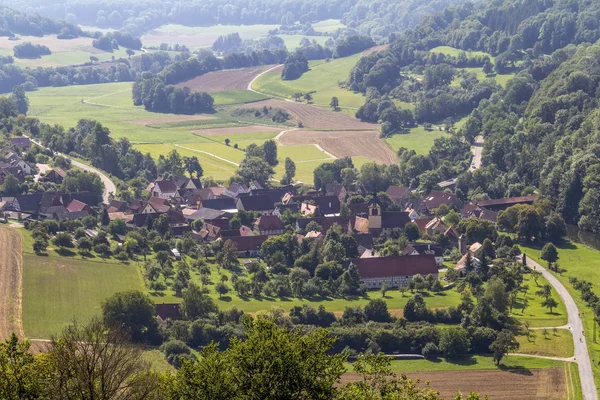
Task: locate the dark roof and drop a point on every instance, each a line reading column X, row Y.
column 394, row 219
column 160, row 205
column 376, row 267
column 20, row 142
column 247, row 243
column 435, row 199
column 166, row 186
column 364, row 239
column 397, row 192
column 269, row 223
column 222, row 203
column 29, row 202
column 424, row 249
column 359, row 208
column 206, row 213
column 118, row 205
column 255, row 203
column 508, row 201
column 293, row 207
column 334, row 189
column 327, row 204
column 165, row 311
column 222, row 223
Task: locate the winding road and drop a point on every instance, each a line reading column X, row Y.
column 582, row 357
column 109, row 186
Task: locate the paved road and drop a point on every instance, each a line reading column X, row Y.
column 477, row 149
column 109, row 186
column 582, row 356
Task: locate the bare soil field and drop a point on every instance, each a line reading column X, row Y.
column 237, row 130
column 167, row 119
column 375, row 49
column 343, row 143
column 229, row 79
column 11, row 277
column 314, row 117
column 542, row 384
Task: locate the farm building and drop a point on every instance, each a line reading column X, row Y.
column 396, row 271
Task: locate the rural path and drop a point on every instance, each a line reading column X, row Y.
column 106, row 105
column 109, row 186
column 582, row 357
column 565, row 359
column 209, row 154
column 258, row 76
column 11, row 283
column 477, row 149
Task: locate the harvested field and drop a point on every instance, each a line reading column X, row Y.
column 238, row 130
column 11, row 278
column 168, row 119
column 375, row 49
column 343, row 143
column 542, row 384
column 229, row 79
column 314, row 117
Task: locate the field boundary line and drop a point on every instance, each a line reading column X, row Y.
column 317, row 159
column 563, row 359
column 208, row 154
column 318, row 146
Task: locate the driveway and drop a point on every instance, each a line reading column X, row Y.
column 582, row 357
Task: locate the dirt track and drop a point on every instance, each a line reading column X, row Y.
column 542, row 384
column 229, row 79
column 344, row 143
column 314, row 117
column 11, row 283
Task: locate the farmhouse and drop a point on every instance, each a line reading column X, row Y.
column 248, row 246
column 425, row 249
column 435, row 199
column 396, row 271
column 261, row 204
column 384, row 222
column 269, row 225
column 22, row 142
column 55, row 175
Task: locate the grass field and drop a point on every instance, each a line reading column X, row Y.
column 582, row 262
column 322, row 79
column 292, row 42
column 202, row 36
column 58, row 289
column 419, row 140
column 328, row 26
column 64, row 52
column 555, row 344
column 452, row 51
column 537, row 315
column 229, row 97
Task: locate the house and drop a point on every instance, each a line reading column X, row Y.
column 269, row 225
column 280, row 209
column 55, row 175
column 412, row 214
column 236, row 189
column 361, row 225
column 325, row 222
column 327, row 206
column 248, row 246
column 14, row 171
column 156, row 204
column 220, row 203
column 196, row 196
column 461, row 265
column 21, row 142
column 422, row 223
column 78, row 206
column 422, row 249
column 261, row 204
column 382, row 223
column 435, row 199
column 11, row 156
column 473, row 210
column 503, row 204
column 165, row 190
column 337, row 190
column 313, row 235
column 396, row 271
column 27, row 170
column 436, row 227
column 398, row 193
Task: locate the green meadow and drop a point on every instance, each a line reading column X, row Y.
column 418, row 139
column 322, row 81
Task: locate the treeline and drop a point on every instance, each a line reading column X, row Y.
column 295, row 65
column 13, row 22
column 155, row 96
column 30, row 50
column 353, row 45
column 112, row 40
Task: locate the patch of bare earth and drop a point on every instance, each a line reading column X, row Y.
column 11, row 279
column 167, row 119
column 375, row 49
column 534, row 384
column 237, row 130
column 229, row 79
column 314, row 117
column 344, row 143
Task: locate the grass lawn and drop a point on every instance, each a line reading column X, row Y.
column 322, row 79
column 555, row 344
column 328, row 26
column 58, row 289
column 394, row 298
column 419, row 140
column 292, row 42
column 202, row 36
column 582, row 262
column 157, row 361
column 537, row 315
column 453, row 51
column 476, row 362
column 229, row 97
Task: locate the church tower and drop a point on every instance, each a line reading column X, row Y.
column 375, row 213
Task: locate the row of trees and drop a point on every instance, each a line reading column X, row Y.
column 155, row 96
column 30, row 50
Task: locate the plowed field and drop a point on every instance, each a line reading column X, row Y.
column 229, row 79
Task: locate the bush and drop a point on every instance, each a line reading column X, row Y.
column 430, row 350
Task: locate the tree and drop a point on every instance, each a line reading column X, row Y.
column 270, row 149
column 196, row 304
column 20, row 377
column 11, row 186
column 84, row 245
column 454, row 341
column 255, row 169
column 384, row 289
column 308, row 97
column 97, row 361
column 133, row 311
column 227, row 141
column 536, row 275
column 221, row 288
column 20, row 99
column 549, row 253
column 556, row 228
column 63, row 240
column 545, row 291
column 550, row 303
column 305, row 368
column 505, row 343
column 488, row 67
column 130, row 53
column 105, row 220
column 192, row 166
column 376, row 310
column 227, row 257
column 335, row 103
column 117, row 227
column 39, row 246
column 290, row 170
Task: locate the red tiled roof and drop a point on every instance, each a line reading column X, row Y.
column 269, row 223
column 76, row 205
column 422, row 223
column 376, row 267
